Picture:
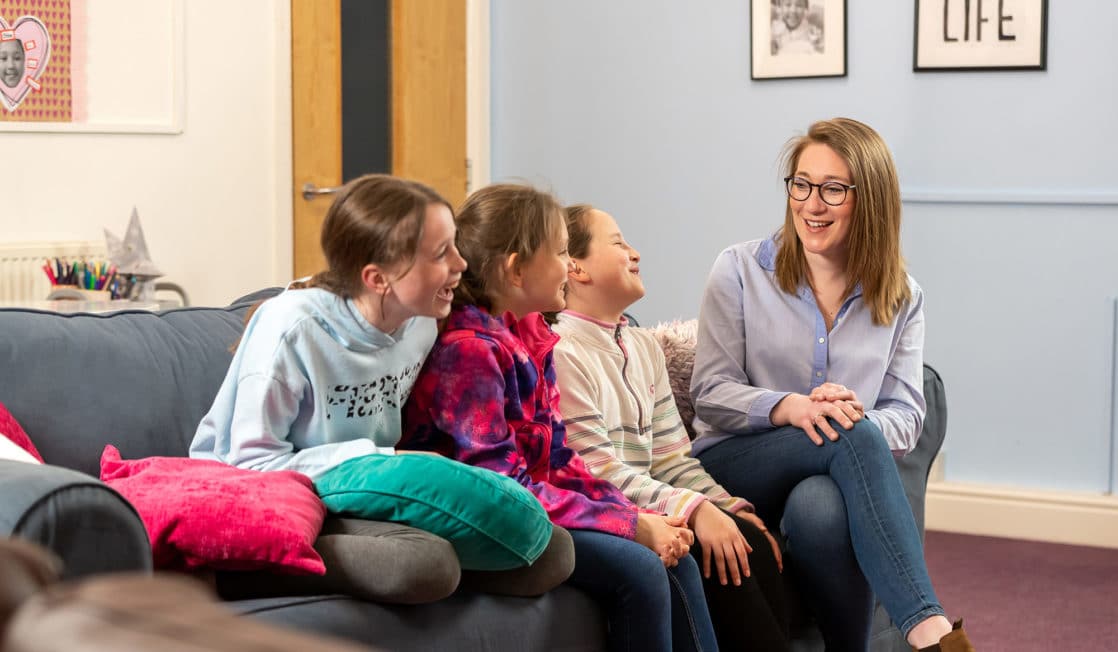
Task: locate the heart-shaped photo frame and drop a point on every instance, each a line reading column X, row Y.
column 24, row 54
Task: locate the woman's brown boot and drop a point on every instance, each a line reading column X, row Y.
column 955, row 641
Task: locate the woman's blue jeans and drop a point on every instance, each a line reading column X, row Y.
column 844, row 512
column 648, row 607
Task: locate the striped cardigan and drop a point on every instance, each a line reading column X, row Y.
column 622, row 420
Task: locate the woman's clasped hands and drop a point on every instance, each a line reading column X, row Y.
column 814, row 412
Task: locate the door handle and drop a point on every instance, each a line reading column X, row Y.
column 310, row 191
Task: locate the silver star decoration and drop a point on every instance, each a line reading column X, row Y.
column 130, row 255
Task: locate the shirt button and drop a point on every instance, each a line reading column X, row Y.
column 819, row 374
column 822, row 339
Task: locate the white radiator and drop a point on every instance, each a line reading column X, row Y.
column 22, row 277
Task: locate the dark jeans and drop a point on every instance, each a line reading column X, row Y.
column 852, row 525
column 648, row 607
column 752, row 616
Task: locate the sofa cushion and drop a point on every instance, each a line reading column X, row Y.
column 492, row 522
column 143, row 378
column 677, row 339
column 13, row 433
column 202, row 513
column 563, row 619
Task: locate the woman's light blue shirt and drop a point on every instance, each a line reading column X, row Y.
column 757, row 343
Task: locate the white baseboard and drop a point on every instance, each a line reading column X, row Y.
column 1054, row 517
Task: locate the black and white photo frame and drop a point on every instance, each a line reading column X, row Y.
column 797, row 38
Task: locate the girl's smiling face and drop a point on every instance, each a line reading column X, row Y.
column 11, row 63
column 610, row 276
column 426, row 286
column 544, row 275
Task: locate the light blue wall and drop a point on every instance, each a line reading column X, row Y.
column 646, row 108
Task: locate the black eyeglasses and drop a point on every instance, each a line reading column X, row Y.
column 832, row 193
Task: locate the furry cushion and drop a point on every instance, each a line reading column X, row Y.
column 677, row 339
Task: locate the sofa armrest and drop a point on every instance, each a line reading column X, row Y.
column 915, row 467
column 83, row 521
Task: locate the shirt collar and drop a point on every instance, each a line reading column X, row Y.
column 534, row 331
column 766, row 258
column 593, row 320
column 766, row 255
column 601, row 334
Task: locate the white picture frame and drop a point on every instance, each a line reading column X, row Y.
column 144, row 40
column 980, row 35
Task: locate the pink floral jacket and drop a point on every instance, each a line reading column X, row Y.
column 487, row 396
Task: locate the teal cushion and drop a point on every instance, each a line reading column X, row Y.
column 492, row 522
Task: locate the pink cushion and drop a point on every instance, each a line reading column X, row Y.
column 201, row 513
column 11, row 429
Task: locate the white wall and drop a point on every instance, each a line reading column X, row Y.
column 646, row 108
column 214, row 200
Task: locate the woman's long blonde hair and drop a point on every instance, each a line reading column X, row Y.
column 874, row 240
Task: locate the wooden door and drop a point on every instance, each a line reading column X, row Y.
column 316, row 121
column 428, row 106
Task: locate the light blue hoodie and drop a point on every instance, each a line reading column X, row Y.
column 312, row 384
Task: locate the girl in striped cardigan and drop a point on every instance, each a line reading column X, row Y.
column 621, row 418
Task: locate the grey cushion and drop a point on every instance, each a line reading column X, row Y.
column 552, row 568
column 373, row 560
column 390, row 562
column 89, row 526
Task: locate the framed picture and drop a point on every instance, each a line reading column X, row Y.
column 797, row 38
column 964, row 35
column 92, row 66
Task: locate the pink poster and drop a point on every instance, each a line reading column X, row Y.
column 39, row 56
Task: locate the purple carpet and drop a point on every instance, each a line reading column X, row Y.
column 1025, row 596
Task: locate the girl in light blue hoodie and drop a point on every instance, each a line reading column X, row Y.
column 322, row 370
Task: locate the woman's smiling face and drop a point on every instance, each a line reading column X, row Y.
column 823, row 228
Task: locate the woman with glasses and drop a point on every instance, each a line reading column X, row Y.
column 808, row 380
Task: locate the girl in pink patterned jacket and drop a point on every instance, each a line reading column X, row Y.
column 487, row 396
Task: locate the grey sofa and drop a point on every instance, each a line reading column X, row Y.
column 142, row 381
